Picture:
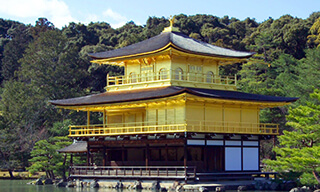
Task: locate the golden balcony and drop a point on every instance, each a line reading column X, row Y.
column 189, row 126
column 170, row 77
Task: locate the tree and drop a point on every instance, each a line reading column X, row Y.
column 46, row 158
column 21, row 122
column 299, row 149
column 42, row 25
column 308, row 74
column 14, row 50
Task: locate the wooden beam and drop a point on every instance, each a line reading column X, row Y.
column 141, row 142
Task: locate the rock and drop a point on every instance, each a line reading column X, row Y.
column 163, row 190
column 266, row 186
column 94, row 184
column 203, row 189
column 119, row 185
column 220, row 189
column 79, row 183
column 137, row 185
column 179, row 188
column 61, row 183
column 289, row 185
column 175, row 184
column 48, row 182
column 155, row 186
column 296, row 189
column 38, row 182
column 71, row 184
column 85, row 184
column 274, row 186
column 305, row 189
column 242, row 188
column 258, row 185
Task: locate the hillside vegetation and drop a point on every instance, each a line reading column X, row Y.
column 41, row 63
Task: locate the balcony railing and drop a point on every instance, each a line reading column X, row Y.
column 157, row 127
column 170, row 75
column 233, row 127
column 146, row 172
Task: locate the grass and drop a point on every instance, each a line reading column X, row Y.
column 21, row 175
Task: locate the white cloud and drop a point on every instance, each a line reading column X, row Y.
column 114, row 15
column 56, row 11
column 115, row 19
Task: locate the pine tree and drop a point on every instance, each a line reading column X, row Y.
column 299, row 149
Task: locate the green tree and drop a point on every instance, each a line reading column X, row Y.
column 46, row 158
column 299, row 149
column 14, row 50
column 308, row 74
column 21, row 122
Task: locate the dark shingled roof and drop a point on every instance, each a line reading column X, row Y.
column 154, row 93
column 76, row 147
column 181, row 41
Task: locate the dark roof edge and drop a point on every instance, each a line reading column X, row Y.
column 127, row 100
column 213, row 55
column 288, row 99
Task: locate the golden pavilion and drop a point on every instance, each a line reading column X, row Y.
column 171, row 115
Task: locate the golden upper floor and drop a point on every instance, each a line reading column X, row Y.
column 170, row 58
column 177, row 114
column 172, row 110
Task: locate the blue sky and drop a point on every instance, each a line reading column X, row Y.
column 118, row 12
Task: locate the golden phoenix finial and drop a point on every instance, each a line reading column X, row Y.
column 171, row 20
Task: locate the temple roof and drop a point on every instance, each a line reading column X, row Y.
column 154, row 93
column 174, row 39
column 76, row 147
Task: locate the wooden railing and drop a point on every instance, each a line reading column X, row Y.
column 233, row 127
column 134, row 171
column 188, row 126
column 170, row 75
column 123, row 128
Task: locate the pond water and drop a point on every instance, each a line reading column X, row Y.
column 21, row 186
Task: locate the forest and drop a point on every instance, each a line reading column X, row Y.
column 41, row 62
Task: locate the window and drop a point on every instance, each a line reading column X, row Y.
column 210, row 77
column 178, row 74
column 132, row 77
column 147, row 72
column 195, row 69
column 163, row 74
column 195, row 73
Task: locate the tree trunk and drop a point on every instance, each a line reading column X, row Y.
column 64, row 170
column 52, row 175
column 11, row 174
column 316, row 175
column 48, row 174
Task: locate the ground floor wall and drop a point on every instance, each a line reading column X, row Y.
column 217, row 153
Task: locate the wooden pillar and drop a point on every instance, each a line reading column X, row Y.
column 104, row 156
column 88, row 155
column 91, row 159
column 88, row 119
column 167, row 153
column 71, row 163
column 185, row 158
column 104, row 118
column 123, row 155
column 205, row 156
column 71, row 159
column 147, row 155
